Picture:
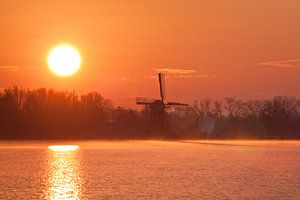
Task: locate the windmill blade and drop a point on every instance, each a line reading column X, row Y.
column 176, row 104
column 144, row 101
column 162, row 88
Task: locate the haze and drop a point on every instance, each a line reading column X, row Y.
column 249, row 48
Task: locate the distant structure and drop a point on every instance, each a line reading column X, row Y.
column 158, row 123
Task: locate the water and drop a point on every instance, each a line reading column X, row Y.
column 150, row 170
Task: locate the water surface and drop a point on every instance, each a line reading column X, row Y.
column 150, row 170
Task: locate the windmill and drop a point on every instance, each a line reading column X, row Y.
column 158, row 123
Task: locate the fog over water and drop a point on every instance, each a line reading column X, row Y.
column 150, row 170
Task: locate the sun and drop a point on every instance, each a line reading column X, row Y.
column 64, row 60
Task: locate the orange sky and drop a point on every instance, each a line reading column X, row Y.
column 216, row 48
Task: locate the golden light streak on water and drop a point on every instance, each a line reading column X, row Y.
column 63, row 147
column 64, row 178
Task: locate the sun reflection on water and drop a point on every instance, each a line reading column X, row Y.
column 64, row 178
column 63, row 147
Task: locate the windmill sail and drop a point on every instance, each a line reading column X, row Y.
column 176, row 104
column 162, row 87
column 157, row 121
column 145, row 101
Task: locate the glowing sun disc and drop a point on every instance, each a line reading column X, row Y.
column 64, row 60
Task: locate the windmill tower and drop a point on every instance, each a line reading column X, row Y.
column 158, row 123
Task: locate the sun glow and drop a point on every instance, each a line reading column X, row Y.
column 63, row 147
column 64, row 60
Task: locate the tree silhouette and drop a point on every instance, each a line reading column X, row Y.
column 50, row 114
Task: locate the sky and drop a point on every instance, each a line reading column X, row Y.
column 207, row 48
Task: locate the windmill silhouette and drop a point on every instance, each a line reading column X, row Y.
column 157, row 125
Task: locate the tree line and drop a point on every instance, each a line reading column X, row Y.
column 49, row 114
